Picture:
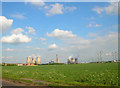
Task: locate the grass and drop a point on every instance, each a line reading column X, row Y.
column 94, row 74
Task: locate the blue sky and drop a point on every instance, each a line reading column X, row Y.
column 66, row 29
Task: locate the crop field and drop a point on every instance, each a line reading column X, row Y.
column 92, row 74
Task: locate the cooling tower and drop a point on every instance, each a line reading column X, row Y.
column 69, row 61
column 38, row 60
column 76, row 60
column 57, row 60
column 72, row 59
column 28, row 60
column 33, row 60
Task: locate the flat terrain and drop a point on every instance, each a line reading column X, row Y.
column 92, row 74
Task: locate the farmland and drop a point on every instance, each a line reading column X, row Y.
column 94, row 74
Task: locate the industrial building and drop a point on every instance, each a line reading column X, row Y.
column 72, row 61
column 34, row 62
column 37, row 61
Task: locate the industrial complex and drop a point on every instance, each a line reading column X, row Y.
column 37, row 61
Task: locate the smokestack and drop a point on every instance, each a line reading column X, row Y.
column 28, row 60
column 57, row 60
column 33, row 60
column 38, row 60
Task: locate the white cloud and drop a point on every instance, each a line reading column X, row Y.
column 61, row 34
column 77, row 42
column 31, row 30
column 99, row 10
column 5, row 23
column 18, row 16
column 42, row 39
column 16, row 39
column 86, row 48
column 56, row 9
column 96, row 25
column 53, row 46
column 38, row 3
column 52, row 9
column 112, row 9
column 70, row 8
column 8, row 49
column 17, row 31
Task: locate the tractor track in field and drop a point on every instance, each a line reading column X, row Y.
column 34, row 82
column 9, row 82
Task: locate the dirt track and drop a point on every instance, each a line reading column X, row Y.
column 6, row 83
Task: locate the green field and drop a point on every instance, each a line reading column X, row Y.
column 94, row 74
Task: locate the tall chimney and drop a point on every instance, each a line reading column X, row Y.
column 38, row 60
column 28, row 60
column 33, row 60
column 57, row 60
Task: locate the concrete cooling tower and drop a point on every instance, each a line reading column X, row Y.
column 33, row 60
column 68, row 61
column 76, row 60
column 38, row 60
column 28, row 60
column 72, row 59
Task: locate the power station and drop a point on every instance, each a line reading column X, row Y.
column 72, row 61
column 37, row 61
column 34, row 62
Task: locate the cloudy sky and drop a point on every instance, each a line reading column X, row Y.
column 80, row 29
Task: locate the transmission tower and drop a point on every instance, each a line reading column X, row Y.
column 101, row 56
column 98, row 57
